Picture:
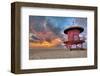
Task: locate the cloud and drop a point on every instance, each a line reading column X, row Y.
column 49, row 27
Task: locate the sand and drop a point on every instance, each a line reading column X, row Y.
column 56, row 53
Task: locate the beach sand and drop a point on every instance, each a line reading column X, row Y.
column 56, row 53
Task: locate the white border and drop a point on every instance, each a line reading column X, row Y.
column 49, row 63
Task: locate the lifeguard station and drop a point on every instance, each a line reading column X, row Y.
column 74, row 39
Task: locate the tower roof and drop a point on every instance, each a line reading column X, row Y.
column 81, row 29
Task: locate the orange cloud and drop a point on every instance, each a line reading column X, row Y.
column 45, row 44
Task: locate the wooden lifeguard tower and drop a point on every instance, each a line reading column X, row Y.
column 73, row 33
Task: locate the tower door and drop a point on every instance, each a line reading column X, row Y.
column 76, row 37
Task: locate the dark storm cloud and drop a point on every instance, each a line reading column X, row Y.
column 56, row 24
column 37, row 22
column 55, row 29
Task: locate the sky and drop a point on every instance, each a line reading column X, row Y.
column 51, row 27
